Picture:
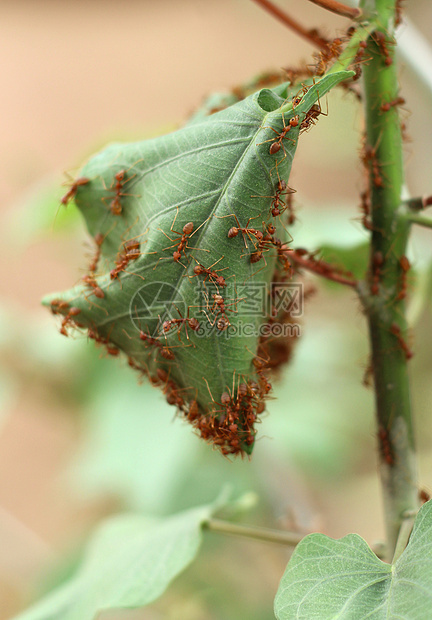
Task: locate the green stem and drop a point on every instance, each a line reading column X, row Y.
column 418, row 219
column 382, row 298
column 257, row 533
column 404, row 534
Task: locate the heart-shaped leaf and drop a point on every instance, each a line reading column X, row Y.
column 344, row 579
column 190, row 274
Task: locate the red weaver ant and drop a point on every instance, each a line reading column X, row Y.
column 311, row 117
column 398, row 12
column 265, row 243
column 297, row 99
column 365, row 209
column 208, row 272
column 90, row 281
column 377, row 263
column 73, row 190
column 423, row 496
column 396, row 331
column 99, row 239
column 69, row 318
column 116, row 187
column 219, row 309
column 385, row 107
column 405, row 267
column 90, row 278
column 182, row 243
column 131, row 251
column 333, row 49
column 358, row 59
column 110, row 348
column 380, row 39
column 370, row 156
column 57, row 305
column 277, row 142
column 164, row 350
column 250, row 232
column 192, row 322
column 385, row 446
column 278, row 206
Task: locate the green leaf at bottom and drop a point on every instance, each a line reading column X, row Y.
column 328, row 579
column 130, row 563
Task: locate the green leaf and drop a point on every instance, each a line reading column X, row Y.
column 130, row 562
column 184, row 192
column 343, row 579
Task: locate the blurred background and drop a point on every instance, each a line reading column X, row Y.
column 80, row 438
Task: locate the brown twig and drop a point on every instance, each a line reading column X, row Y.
column 338, row 8
column 310, row 35
column 321, row 268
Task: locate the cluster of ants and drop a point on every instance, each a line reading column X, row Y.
column 230, row 426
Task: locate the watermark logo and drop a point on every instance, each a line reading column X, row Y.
column 253, row 309
column 156, row 300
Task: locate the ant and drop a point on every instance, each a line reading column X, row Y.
column 90, row 277
column 117, row 185
column 164, row 350
column 289, row 207
column 193, row 411
column 405, row 267
column 57, row 305
column 110, row 348
column 220, row 308
column 333, row 50
column 265, row 243
column 73, row 190
column 282, row 189
column 311, row 117
column 208, row 272
column 398, row 12
column 370, row 156
column 358, row 59
column 380, row 39
column 385, row 446
column 250, row 232
column 91, row 281
column 283, row 258
column 385, row 107
column 377, row 263
column 192, row 322
column 365, row 209
column 396, row 331
column 423, row 496
column 182, row 243
column 68, row 319
column 277, row 142
column 297, row 99
column 131, row 251
column 99, row 239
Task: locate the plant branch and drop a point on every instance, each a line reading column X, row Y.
column 418, row 219
column 310, row 35
column 404, row 533
column 338, row 8
column 321, row 268
column 257, row 533
column 383, row 291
